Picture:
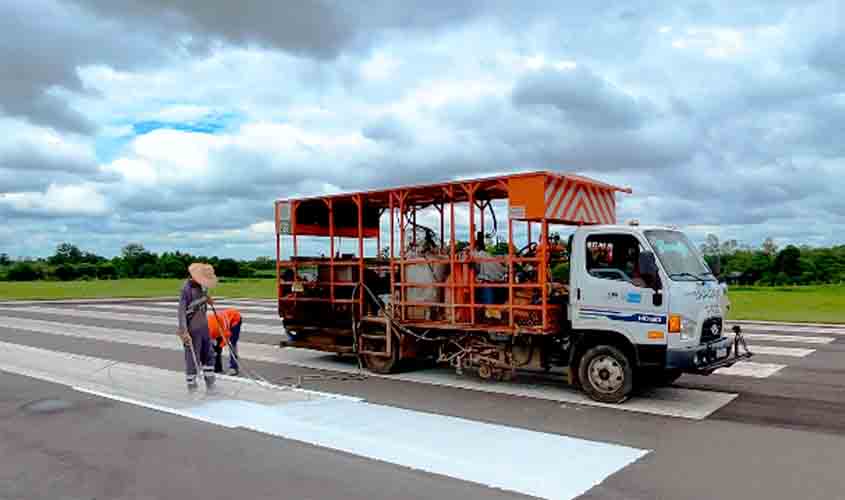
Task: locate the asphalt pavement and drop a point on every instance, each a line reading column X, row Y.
column 773, row 428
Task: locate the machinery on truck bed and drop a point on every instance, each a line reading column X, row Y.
column 609, row 306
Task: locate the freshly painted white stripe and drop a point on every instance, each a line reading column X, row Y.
column 154, row 385
column 136, row 318
column 668, row 401
column 792, row 352
column 503, row 457
column 529, row 462
column 751, row 369
column 798, row 339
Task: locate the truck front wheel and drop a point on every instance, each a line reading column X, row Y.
column 605, row 374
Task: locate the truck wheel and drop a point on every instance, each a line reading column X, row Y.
column 383, row 365
column 605, row 374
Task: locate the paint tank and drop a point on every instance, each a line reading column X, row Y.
column 425, row 274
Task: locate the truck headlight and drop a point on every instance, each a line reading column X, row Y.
column 689, row 329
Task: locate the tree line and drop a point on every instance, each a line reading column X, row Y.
column 70, row 263
column 768, row 265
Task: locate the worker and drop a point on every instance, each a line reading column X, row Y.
column 487, row 272
column 193, row 323
column 229, row 332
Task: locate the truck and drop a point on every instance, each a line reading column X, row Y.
column 561, row 288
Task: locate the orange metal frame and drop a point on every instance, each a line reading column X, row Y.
column 401, row 204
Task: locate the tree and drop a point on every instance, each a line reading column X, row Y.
column 711, row 245
column 788, row 262
column 263, row 263
column 135, row 258
column 66, row 253
column 86, row 270
column 24, row 271
column 246, row 271
column 91, row 258
column 5, row 260
column 769, row 247
column 149, row 270
column 728, row 247
column 227, row 267
column 172, row 265
column 65, row 272
column 106, row 271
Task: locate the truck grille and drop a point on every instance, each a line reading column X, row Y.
column 708, row 332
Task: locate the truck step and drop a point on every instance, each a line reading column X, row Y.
column 374, row 353
column 373, row 337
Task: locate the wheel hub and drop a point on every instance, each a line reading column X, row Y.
column 606, row 374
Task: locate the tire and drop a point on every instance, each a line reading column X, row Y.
column 605, row 374
column 383, row 365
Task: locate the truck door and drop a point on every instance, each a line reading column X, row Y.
column 608, row 291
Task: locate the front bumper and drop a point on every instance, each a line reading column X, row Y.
column 706, row 358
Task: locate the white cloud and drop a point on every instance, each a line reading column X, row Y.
column 747, row 96
column 63, row 200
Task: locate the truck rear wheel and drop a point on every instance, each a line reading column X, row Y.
column 383, row 365
column 605, row 374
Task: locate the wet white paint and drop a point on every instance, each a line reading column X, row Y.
column 668, row 401
column 791, row 352
column 533, row 463
column 529, row 462
column 751, row 369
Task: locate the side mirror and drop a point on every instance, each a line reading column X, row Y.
column 648, row 270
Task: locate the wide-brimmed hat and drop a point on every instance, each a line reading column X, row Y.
column 203, row 274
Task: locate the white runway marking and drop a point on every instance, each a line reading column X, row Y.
column 247, row 314
column 222, row 304
column 798, row 339
column 669, row 401
column 751, row 369
column 136, row 318
column 743, row 323
column 792, row 329
column 528, row 462
column 792, row 352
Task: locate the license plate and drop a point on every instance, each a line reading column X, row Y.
column 721, row 352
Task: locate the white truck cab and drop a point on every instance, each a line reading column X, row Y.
column 646, row 293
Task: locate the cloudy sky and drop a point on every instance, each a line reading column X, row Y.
column 176, row 123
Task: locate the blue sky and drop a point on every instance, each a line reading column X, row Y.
column 176, row 124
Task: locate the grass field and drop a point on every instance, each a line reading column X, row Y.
column 821, row 304
column 252, row 288
column 825, row 304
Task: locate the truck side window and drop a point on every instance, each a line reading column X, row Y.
column 613, row 257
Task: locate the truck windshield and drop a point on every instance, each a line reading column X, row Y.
column 680, row 259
